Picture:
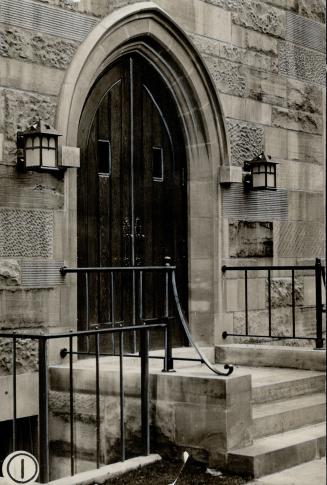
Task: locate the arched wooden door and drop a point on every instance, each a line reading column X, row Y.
column 132, row 205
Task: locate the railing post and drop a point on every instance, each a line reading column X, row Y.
column 318, row 274
column 144, row 351
column 43, row 412
column 168, row 361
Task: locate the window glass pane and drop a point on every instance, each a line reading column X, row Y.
column 104, row 157
column 157, row 164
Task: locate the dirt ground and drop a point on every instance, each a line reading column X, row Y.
column 164, row 473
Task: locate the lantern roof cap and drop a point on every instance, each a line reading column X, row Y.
column 261, row 158
column 41, row 128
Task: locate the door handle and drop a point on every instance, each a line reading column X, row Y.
column 139, row 242
column 127, row 241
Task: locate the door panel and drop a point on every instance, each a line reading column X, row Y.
column 131, row 194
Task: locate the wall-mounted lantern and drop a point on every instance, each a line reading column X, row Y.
column 37, row 148
column 260, row 173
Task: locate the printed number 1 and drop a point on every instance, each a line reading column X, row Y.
column 22, row 468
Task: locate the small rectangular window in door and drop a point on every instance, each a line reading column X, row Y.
column 104, row 157
column 157, row 164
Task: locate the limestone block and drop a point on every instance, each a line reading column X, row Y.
column 297, row 120
column 164, row 421
column 26, row 233
column 299, row 239
column 29, row 308
column 10, row 272
column 293, row 145
column 234, row 293
column 30, row 190
column 1, row 147
column 246, row 140
column 300, row 176
column 304, row 97
column 305, row 206
column 229, row 77
column 313, row 9
column 201, row 206
column 26, row 356
column 208, row 429
column 300, row 63
column 69, row 156
column 309, row 290
column 226, row 4
column 257, row 60
column 201, row 245
column 185, row 388
column 256, row 15
column 261, row 43
column 30, row 77
column 281, row 291
column 230, row 174
column 27, row 386
column 246, row 109
column 37, row 47
column 250, row 239
column 267, row 87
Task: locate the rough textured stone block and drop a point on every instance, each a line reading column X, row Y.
column 250, row 239
column 313, row 9
column 26, row 356
column 36, row 47
column 256, row 15
column 304, row 97
column 300, row 63
column 10, row 273
column 229, row 77
column 281, row 291
column 299, row 239
column 297, row 120
column 246, row 140
column 26, row 233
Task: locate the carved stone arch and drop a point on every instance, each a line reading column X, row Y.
column 147, row 29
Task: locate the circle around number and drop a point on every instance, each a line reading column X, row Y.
column 8, row 461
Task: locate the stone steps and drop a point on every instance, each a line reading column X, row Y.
column 286, row 385
column 271, row 356
column 281, row 416
column 280, row 451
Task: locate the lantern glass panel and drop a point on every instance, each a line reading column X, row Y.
column 271, row 180
column 258, row 180
column 32, row 152
column 48, row 153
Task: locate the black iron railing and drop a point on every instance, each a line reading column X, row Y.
column 319, row 272
column 43, row 388
column 141, row 328
column 170, row 292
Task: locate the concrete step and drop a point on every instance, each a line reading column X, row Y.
column 271, row 356
column 279, row 452
column 281, row 416
column 278, row 384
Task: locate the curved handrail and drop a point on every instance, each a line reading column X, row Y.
column 189, row 336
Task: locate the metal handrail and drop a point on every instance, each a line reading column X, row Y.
column 319, row 275
column 170, row 271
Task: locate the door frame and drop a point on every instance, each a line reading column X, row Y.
column 146, row 29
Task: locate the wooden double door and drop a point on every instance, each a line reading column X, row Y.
column 132, row 199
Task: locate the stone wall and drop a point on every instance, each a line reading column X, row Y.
column 270, row 81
